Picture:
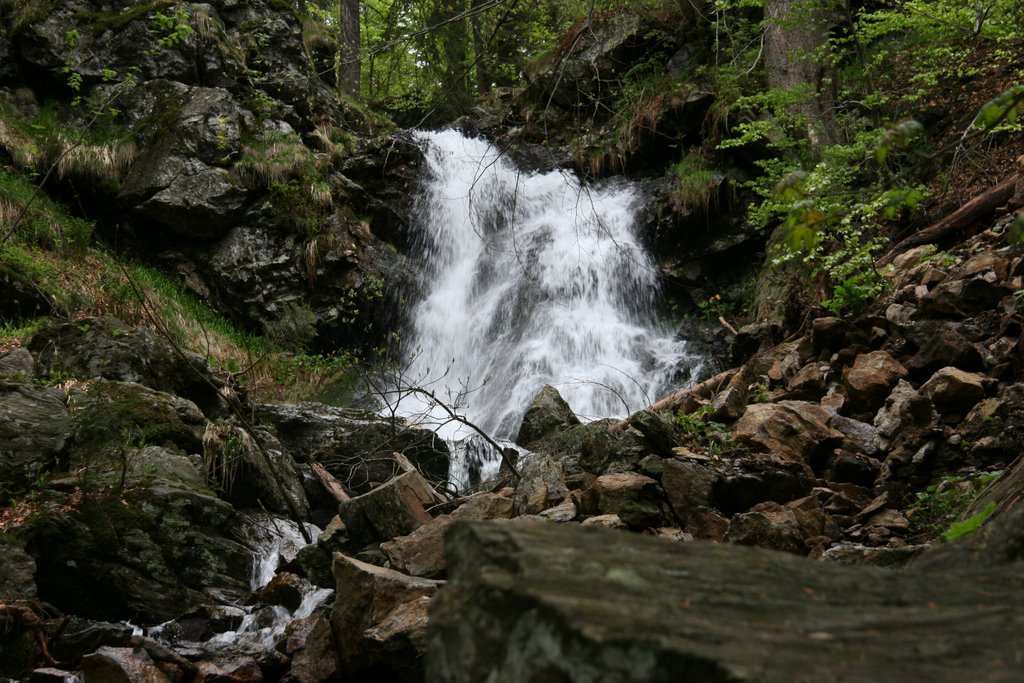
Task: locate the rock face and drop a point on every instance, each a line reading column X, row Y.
column 529, row 602
column 34, row 426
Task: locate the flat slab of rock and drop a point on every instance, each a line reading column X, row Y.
column 543, row 602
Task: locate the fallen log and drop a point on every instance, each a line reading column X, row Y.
column 704, row 390
column 978, row 209
column 531, row 602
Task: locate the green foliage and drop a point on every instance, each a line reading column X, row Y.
column 172, row 29
column 937, row 507
column 714, row 307
column 698, row 429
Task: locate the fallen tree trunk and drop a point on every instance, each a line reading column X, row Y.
column 705, row 390
column 979, row 208
column 531, row 602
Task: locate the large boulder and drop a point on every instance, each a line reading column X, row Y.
column 793, row 430
column 548, row 412
column 106, row 348
column 34, row 428
column 379, row 620
column 145, row 555
column 526, row 603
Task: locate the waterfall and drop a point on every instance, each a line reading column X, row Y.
column 530, row 279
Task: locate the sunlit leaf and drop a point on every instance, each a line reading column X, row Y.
column 800, row 237
column 791, row 187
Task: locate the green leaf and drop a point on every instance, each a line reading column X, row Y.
column 969, row 525
column 899, row 137
column 791, row 187
column 1005, row 107
column 1015, row 231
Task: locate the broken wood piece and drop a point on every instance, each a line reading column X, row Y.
column 329, row 482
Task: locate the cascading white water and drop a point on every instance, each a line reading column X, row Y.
column 532, row 279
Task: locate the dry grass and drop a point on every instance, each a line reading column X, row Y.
column 106, row 162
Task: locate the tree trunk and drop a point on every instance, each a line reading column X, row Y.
column 348, row 54
column 794, row 41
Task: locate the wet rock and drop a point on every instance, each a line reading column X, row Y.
column 954, row 391
column 633, row 497
column 316, row 660
column 870, row 379
column 541, row 486
column 144, row 555
column 34, row 428
column 396, row 508
column 550, row 602
column 379, row 621
column 547, row 412
column 356, row 446
column 230, row 670
column 285, row 589
column 82, row 636
column 253, row 470
column 122, row 665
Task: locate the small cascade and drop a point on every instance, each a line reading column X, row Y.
column 274, row 541
column 532, row 279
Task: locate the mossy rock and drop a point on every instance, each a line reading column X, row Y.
column 111, row 419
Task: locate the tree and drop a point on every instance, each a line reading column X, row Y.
column 350, row 47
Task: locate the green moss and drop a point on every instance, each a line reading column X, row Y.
column 115, row 21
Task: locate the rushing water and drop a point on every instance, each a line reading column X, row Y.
column 532, row 279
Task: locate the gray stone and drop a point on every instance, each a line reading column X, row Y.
column 34, row 428
column 548, row 412
column 541, row 486
column 396, row 508
column 121, row 665
column 17, row 573
column 687, row 485
column 17, row 364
